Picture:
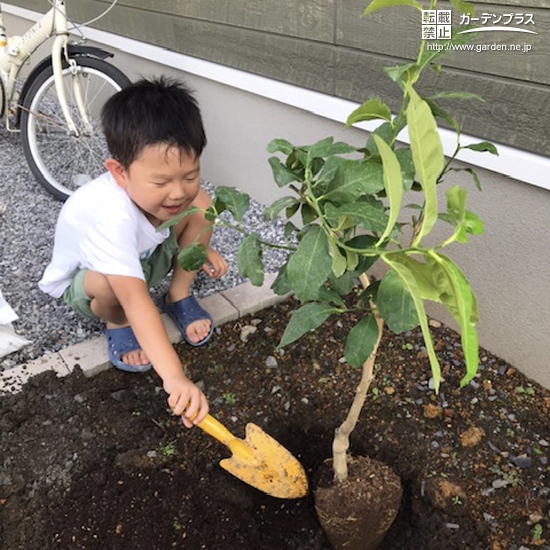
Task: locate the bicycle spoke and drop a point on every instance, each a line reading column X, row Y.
column 61, row 159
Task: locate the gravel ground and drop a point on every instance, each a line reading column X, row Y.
column 27, row 223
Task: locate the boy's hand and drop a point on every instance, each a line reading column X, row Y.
column 215, row 266
column 186, row 400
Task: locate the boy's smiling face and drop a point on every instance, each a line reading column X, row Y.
column 163, row 181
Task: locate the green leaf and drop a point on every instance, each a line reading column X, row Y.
column 423, row 275
column 395, row 304
column 273, row 211
column 193, row 257
column 310, row 265
column 283, row 175
column 341, row 148
column 217, row 206
column 291, row 210
column 368, row 296
column 456, row 203
column 381, row 4
column 280, row 285
column 408, row 171
column 446, row 218
column 385, row 131
column 409, row 282
column 280, row 146
column 289, row 230
column 456, row 294
column 361, row 340
column 309, row 214
column 176, row 219
column 211, row 213
column 368, row 215
column 329, row 296
column 472, row 172
column 402, row 73
column 328, row 171
column 443, row 115
column 393, row 183
column 465, row 222
column 365, row 263
column 442, row 280
column 363, row 244
column 370, row 110
column 298, row 158
column 342, row 285
column 306, row 318
column 353, row 179
column 352, row 260
column 339, row 262
column 326, row 147
column 321, row 148
column 236, row 202
column 484, row 146
column 427, row 153
column 249, row 259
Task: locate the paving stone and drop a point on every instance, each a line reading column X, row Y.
column 247, row 298
column 12, row 380
column 90, row 356
column 174, row 335
column 221, row 309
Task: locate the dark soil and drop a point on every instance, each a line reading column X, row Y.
column 102, row 464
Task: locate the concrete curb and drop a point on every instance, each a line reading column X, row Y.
column 91, row 355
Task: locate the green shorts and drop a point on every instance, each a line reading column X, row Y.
column 155, row 268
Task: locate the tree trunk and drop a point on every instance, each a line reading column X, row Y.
column 340, row 444
column 357, row 507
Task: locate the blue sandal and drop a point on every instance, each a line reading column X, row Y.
column 119, row 342
column 187, row 311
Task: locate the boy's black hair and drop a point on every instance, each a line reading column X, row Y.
column 149, row 112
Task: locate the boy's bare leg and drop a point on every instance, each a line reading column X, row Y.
column 105, row 305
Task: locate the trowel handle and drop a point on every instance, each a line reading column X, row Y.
column 216, row 429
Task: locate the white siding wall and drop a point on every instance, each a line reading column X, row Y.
column 509, row 266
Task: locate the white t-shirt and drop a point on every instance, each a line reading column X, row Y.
column 101, row 229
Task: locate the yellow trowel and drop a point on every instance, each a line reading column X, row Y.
column 259, row 460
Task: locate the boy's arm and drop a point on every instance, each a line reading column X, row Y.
column 145, row 320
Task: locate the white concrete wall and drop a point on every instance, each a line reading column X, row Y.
column 508, row 267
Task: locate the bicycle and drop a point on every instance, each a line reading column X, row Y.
column 57, row 109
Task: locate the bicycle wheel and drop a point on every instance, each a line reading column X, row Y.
column 61, row 161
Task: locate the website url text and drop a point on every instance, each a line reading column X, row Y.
column 438, row 47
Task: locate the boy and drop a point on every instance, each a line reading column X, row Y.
column 108, row 252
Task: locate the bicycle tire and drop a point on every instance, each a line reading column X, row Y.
column 60, row 161
column 3, row 99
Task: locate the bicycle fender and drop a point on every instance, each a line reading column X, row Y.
column 74, row 50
